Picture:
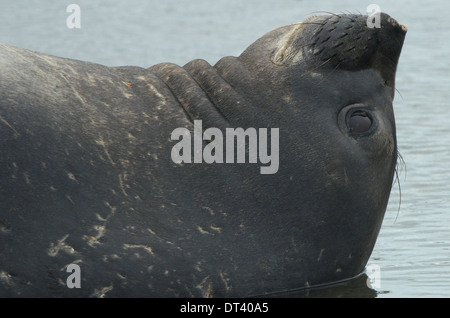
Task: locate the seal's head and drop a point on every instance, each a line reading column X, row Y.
column 328, row 84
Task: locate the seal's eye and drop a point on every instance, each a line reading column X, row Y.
column 359, row 122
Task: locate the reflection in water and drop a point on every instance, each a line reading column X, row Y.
column 353, row 288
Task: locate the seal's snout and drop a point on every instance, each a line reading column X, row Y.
column 390, row 37
column 356, row 42
column 348, row 41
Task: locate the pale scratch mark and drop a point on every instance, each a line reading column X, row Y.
column 320, row 254
column 156, row 92
column 64, row 268
column 225, row 280
column 120, row 275
column 102, row 143
column 94, row 240
column 4, row 230
column 113, row 208
column 146, row 248
column 106, row 258
column 121, row 185
column 127, row 95
column 209, row 209
column 216, row 228
column 17, row 53
column 113, row 211
column 101, row 229
column 16, row 133
column 48, row 59
column 198, row 267
column 202, row 230
column 100, row 218
column 345, row 176
column 71, row 176
column 78, row 95
column 61, row 245
column 6, row 278
column 15, row 170
column 125, row 163
column 206, row 288
column 101, row 293
column 286, row 49
column 83, row 99
column 69, row 198
column 75, row 91
column 26, row 177
column 159, row 238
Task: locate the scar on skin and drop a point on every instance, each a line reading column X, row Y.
column 101, row 293
column 94, row 240
column 61, row 245
column 146, row 248
column 202, row 230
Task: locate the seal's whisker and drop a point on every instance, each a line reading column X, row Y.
column 331, row 73
column 400, row 193
column 281, row 56
column 327, row 12
column 315, row 68
column 317, row 23
column 397, row 180
column 403, row 164
column 348, row 12
column 399, row 93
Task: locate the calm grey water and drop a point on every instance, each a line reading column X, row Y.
column 412, row 250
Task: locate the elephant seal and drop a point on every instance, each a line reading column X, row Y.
column 92, row 204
